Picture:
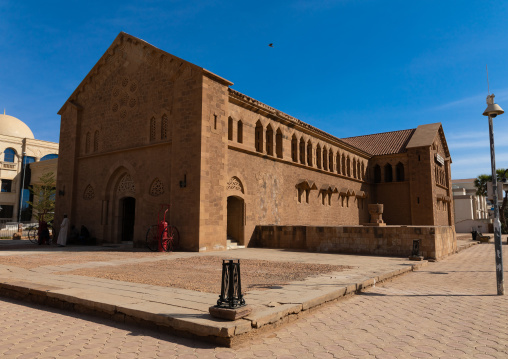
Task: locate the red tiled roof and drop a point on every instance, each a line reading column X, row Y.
column 386, row 143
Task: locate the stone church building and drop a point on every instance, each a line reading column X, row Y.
column 146, row 128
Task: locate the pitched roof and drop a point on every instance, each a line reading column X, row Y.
column 386, row 143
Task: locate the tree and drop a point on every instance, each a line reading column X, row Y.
column 481, row 190
column 43, row 204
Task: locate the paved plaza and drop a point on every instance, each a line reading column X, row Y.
column 445, row 309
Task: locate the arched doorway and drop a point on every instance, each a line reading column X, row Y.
column 127, row 215
column 236, row 223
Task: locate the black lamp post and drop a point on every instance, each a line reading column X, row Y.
column 492, row 111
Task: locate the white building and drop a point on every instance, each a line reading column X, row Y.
column 471, row 210
column 18, row 148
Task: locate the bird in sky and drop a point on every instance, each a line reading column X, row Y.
column 270, row 44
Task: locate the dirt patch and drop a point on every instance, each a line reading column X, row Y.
column 204, row 273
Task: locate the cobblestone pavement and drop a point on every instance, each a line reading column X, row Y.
column 449, row 309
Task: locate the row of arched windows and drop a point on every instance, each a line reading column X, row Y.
column 10, row 155
column 440, row 175
column 266, row 139
column 239, row 130
column 326, row 159
column 388, row 173
column 88, row 142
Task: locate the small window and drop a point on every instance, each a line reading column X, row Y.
column 325, row 159
column 348, row 166
column 6, row 185
column 259, row 137
column 230, row 129
column 309, row 153
column 278, row 143
column 399, row 169
column 294, row 149
column 9, row 154
column 318, row 156
column 330, row 161
column 164, row 127
column 269, row 140
column 239, row 134
column 153, row 129
column 6, row 211
column 354, row 167
column 302, row 151
column 96, row 141
column 214, row 121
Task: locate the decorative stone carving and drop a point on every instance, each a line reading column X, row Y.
column 157, row 188
column 126, row 184
column 89, row 193
column 376, row 214
column 235, row 184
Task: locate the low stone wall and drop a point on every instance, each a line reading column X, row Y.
column 437, row 241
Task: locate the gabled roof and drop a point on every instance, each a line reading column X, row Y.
column 425, row 135
column 154, row 53
column 386, row 143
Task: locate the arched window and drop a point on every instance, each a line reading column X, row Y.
column 87, row 142
column 358, row 170
column 278, row 143
column 294, row 149
column 388, row 173
column 330, row 160
column 399, row 169
column 302, row 151
column 354, row 167
column 230, row 129
column 9, row 155
column 348, row 166
column 338, row 162
column 325, row 159
column 344, row 164
column 309, row 153
column 363, row 170
column 152, row 129
column 239, row 134
column 49, row 157
column 96, row 141
column 318, row 156
column 377, row 174
column 259, row 137
column 269, row 140
column 164, row 127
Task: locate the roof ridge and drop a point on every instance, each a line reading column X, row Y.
column 380, row 133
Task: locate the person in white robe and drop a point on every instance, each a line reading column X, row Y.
column 62, row 236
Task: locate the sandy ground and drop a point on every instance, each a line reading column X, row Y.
column 199, row 273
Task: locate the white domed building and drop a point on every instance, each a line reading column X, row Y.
column 18, row 149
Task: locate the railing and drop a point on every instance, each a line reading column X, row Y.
column 9, row 166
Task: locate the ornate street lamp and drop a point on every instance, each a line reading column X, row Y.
column 492, row 111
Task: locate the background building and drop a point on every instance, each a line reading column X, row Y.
column 471, row 210
column 146, row 128
column 19, row 149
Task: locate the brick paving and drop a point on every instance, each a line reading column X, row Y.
column 448, row 309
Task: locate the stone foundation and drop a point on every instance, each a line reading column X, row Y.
column 437, row 241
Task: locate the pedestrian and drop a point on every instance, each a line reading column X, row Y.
column 43, row 233
column 62, row 236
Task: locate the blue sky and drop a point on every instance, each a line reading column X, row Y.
column 347, row 67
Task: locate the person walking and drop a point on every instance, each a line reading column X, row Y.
column 62, row 236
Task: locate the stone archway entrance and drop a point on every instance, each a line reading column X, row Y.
column 236, row 215
column 127, row 217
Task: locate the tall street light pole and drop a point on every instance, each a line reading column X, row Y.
column 492, row 110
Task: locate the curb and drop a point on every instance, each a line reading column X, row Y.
column 185, row 322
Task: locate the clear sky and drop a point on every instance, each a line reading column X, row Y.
column 348, row 67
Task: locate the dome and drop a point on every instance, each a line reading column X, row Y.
column 11, row 126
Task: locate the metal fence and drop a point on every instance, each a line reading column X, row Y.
column 7, row 229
